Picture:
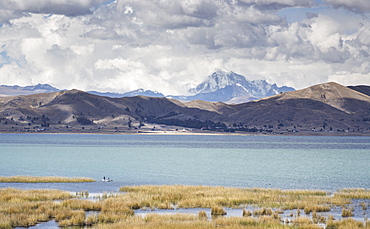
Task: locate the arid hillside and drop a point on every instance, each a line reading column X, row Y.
column 328, row 105
column 361, row 88
column 324, row 107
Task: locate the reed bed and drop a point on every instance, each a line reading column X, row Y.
column 26, row 208
column 86, row 205
column 202, row 215
column 347, row 212
column 263, row 211
column 354, row 193
column 218, row 211
column 35, row 179
column 13, row 195
column 189, row 221
column 113, row 211
column 347, row 224
column 168, row 197
column 77, row 218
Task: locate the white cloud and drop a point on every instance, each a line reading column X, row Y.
column 65, row 7
column 359, row 6
column 350, row 79
column 6, row 15
column 169, row 46
column 279, row 4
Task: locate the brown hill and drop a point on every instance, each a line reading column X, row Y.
column 324, row 105
column 78, row 107
column 327, row 106
column 361, row 88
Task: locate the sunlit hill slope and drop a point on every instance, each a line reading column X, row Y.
column 327, row 107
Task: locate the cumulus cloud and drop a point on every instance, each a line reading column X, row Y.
column 169, row 46
column 358, row 6
column 279, row 4
column 65, row 7
column 6, row 15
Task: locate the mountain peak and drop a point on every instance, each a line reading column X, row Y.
column 46, row 87
column 229, row 87
column 218, row 80
column 143, row 92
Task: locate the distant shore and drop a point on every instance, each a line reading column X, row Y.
column 191, row 132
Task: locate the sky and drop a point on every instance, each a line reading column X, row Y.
column 172, row 45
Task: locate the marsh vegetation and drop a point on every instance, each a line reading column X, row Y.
column 29, row 207
column 36, row 179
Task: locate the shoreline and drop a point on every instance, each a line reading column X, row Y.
column 200, row 133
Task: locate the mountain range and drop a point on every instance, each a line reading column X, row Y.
column 221, row 86
column 6, row 90
column 323, row 107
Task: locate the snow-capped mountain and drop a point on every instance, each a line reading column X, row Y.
column 143, row 92
column 137, row 92
column 228, row 87
column 15, row 90
column 231, row 87
column 218, row 80
column 41, row 87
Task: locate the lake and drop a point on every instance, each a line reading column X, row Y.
column 286, row 162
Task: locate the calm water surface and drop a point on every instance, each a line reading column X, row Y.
column 286, row 162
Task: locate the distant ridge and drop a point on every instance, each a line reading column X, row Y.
column 361, row 88
column 27, row 90
column 137, row 92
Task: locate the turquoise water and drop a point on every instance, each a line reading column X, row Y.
column 286, row 162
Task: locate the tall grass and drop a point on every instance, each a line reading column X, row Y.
column 25, row 208
column 113, row 210
column 206, row 197
column 202, row 215
column 13, row 195
column 346, row 224
column 218, row 211
column 86, row 205
column 246, row 213
column 189, row 221
column 353, row 193
column 34, row 179
column 77, row 218
column 347, row 212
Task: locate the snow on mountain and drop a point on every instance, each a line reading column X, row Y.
column 41, row 87
column 143, row 92
column 15, row 90
column 137, row 92
column 221, row 86
column 230, row 87
column 218, row 80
